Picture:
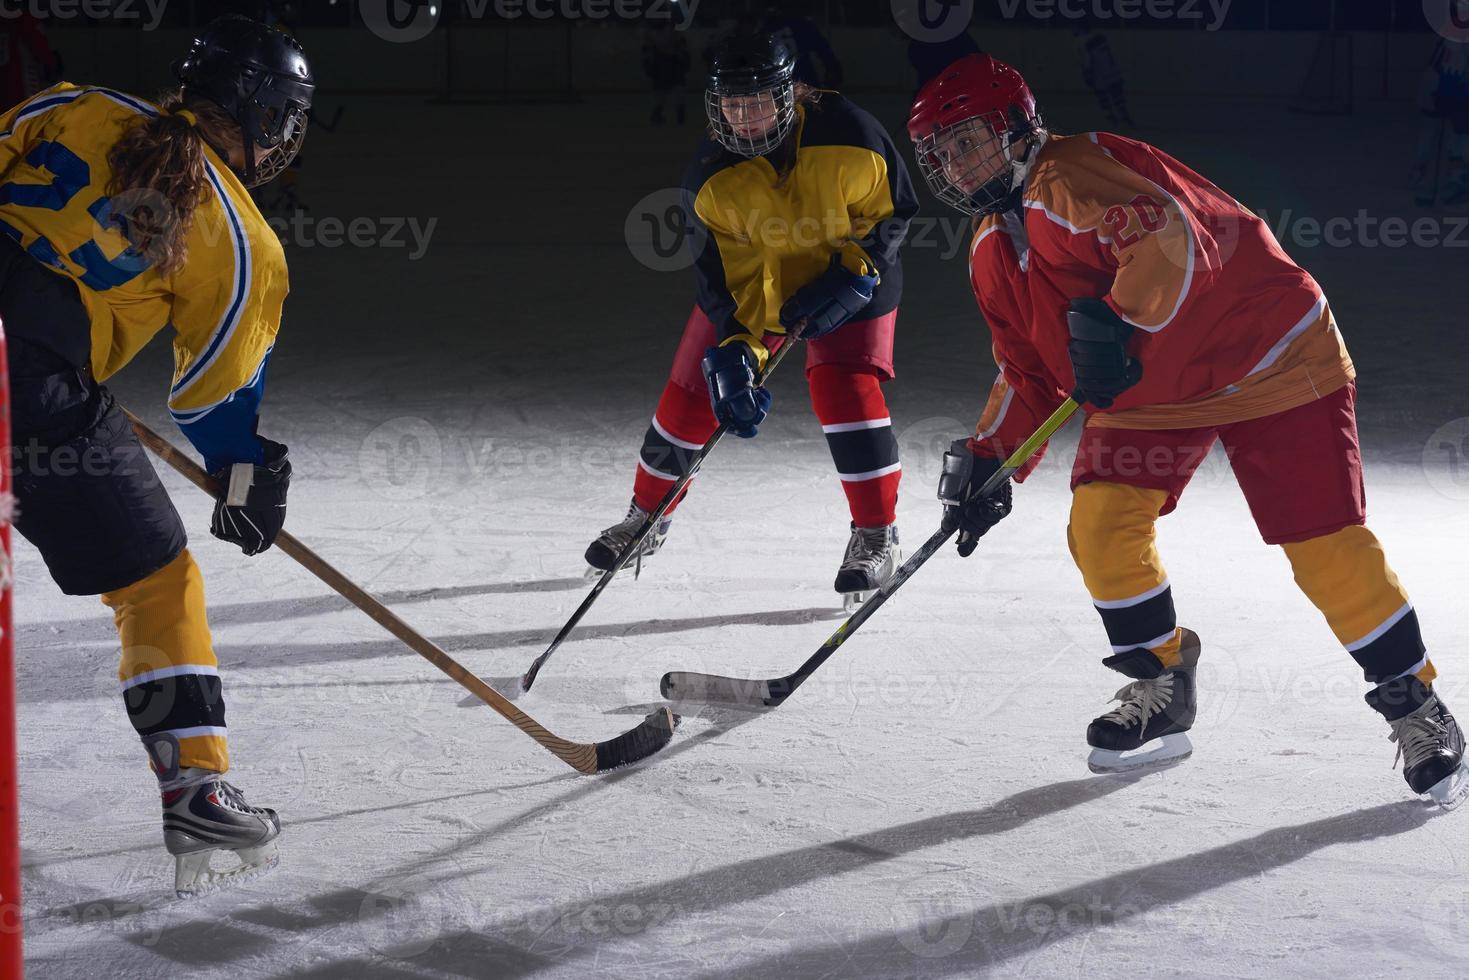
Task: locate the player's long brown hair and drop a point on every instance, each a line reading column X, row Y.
column 159, row 177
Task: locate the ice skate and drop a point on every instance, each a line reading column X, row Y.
column 1150, row 727
column 1430, row 742
column 872, row 557
column 203, row 815
column 602, row 554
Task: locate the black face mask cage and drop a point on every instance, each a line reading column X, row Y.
column 274, row 119
column 769, row 114
column 995, row 193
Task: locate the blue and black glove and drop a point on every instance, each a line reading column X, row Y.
column 738, row 401
column 828, row 301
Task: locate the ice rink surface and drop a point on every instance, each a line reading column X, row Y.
column 464, row 423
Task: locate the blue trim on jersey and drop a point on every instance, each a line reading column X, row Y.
column 242, row 288
column 225, row 433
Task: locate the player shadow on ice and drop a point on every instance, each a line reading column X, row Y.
column 101, row 629
column 996, row 933
column 969, row 941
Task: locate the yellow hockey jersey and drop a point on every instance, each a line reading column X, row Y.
column 224, row 303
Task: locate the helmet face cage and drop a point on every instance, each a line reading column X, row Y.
column 976, row 153
column 751, row 122
column 291, row 134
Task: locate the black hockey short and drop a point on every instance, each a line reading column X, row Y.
column 86, row 495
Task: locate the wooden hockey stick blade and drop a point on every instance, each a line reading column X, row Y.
column 636, row 544
column 687, row 686
column 631, row 746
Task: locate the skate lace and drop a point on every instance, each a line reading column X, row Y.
column 1418, row 737
column 1141, row 700
column 868, row 548
column 230, row 796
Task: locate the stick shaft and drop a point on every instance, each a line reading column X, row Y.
column 929, row 548
column 579, row 756
column 648, row 525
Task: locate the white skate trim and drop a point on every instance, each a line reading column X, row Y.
column 1453, row 790
column 1168, row 749
column 194, row 877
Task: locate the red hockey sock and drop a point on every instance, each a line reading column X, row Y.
column 682, row 424
column 854, row 416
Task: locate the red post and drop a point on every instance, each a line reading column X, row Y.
column 10, row 925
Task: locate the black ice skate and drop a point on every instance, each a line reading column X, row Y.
column 1150, row 727
column 602, row 554
column 203, row 814
column 1430, row 742
column 872, row 557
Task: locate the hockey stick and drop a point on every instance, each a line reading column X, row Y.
column 636, row 544
column 652, row 734
column 685, row 686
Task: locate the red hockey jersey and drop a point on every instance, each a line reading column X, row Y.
column 1229, row 328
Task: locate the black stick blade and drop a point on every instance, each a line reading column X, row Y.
column 637, row 744
column 679, row 685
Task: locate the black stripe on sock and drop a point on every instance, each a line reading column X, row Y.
column 664, row 457
column 1135, row 625
column 863, row 450
column 185, row 701
column 1394, row 652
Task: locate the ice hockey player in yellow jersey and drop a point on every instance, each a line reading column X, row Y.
column 121, row 218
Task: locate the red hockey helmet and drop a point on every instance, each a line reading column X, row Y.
column 965, row 126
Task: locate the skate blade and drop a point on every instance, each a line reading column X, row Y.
column 1168, row 750
column 194, row 877
column 1452, row 791
column 593, row 573
column 852, row 600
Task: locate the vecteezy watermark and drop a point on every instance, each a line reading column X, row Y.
column 1446, row 459
column 302, row 230
column 148, row 11
column 406, row 21
column 1212, row 12
column 1366, row 230
column 663, row 236
column 1449, row 17
column 933, row 21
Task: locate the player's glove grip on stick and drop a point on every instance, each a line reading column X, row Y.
column 828, row 301
column 1098, row 352
column 737, row 402
column 972, row 516
column 250, row 508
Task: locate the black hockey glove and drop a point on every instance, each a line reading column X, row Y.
column 251, row 505
column 963, row 474
column 1098, row 352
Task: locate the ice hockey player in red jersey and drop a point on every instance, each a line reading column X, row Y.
column 1106, row 268
column 799, row 203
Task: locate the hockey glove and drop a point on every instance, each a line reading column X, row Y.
column 1098, row 352
column 963, row 474
column 828, row 301
column 737, row 401
column 251, row 506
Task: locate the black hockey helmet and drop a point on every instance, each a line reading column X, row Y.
column 260, row 77
column 750, row 97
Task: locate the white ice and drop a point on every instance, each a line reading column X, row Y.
column 463, row 425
